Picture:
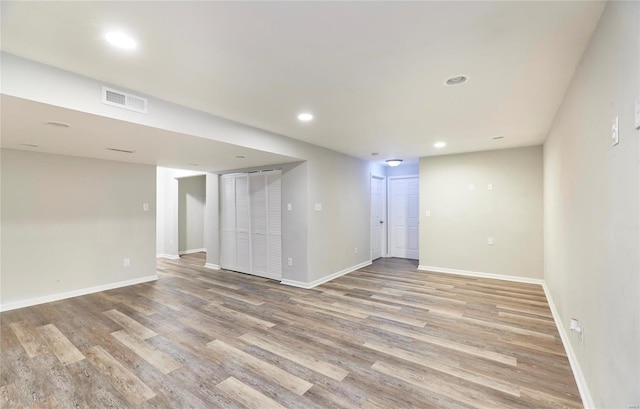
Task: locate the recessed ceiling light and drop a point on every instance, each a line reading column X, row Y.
column 440, row 145
column 240, row 156
column 58, row 124
column 305, row 117
column 121, row 40
column 29, row 145
column 456, row 80
column 394, row 162
column 497, row 137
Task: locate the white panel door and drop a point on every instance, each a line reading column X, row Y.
column 377, row 219
column 404, row 215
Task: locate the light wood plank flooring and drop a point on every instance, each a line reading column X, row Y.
column 385, row 336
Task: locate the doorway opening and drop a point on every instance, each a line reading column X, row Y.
column 191, row 209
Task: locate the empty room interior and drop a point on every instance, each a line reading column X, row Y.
column 320, row 204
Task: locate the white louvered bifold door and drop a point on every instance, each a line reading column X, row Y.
column 228, row 251
column 258, row 187
column 274, row 223
column 243, row 224
column 251, row 223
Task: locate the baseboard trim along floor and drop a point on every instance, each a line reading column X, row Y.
column 75, row 293
column 325, row 279
column 481, row 274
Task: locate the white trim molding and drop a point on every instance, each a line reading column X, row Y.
column 325, row 279
column 75, row 293
column 527, row 280
column 169, row 256
column 583, row 387
column 212, row 266
column 202, row 250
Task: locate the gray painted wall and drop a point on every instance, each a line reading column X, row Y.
column 192, row 193
column 295, row 226
column 68, row 223
column 405, row 169
column 340, row 182
column 591, row 209
column 455, row 235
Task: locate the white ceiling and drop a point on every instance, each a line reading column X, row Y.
column 371, row 72
column 24, row 122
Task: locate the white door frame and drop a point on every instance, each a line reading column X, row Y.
column 389, row 179
column 383, row 237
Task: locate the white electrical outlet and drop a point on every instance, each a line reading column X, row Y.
column 472, row 187
column 575, row 326
column 318, row 207
column 615, row 134
column 356, row 250
column 145, row 207
column 289, row 207
column 289, row 261
column 427, row 213
column 490, row 241
column 490, row 186
column 126, row 262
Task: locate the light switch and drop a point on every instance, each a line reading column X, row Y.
column 614, row 132
column 472, row 187
column 490, row 241
column 289, row 261
column 427, row 213
column 490, row 186
column 289, row 207
column 145, row 207
column 318, row 207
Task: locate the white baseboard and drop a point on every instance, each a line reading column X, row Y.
column 169, row 256
column 212, row 266
column 482, row 275
column 583, row 388
column 203, row 250
column 75, row 293
column 323, row 280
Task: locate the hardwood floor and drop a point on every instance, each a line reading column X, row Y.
column 385, row 336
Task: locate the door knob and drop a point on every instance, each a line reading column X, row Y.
column 381, row 222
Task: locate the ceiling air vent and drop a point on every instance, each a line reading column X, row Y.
column 124, row 100
column 120, row 150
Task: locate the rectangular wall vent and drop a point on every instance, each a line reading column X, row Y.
column 124, row 100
